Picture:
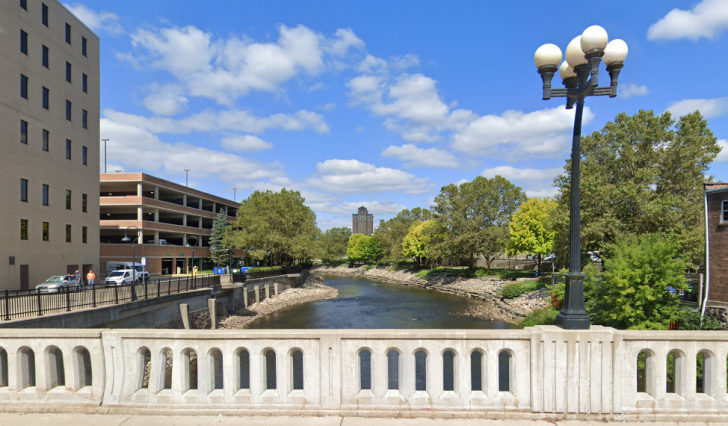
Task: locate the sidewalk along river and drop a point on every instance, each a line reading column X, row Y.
column 367, row 304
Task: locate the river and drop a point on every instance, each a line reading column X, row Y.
column 367, row 304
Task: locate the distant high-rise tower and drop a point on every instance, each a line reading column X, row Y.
column 362, row 222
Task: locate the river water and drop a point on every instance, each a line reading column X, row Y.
column 363, row 303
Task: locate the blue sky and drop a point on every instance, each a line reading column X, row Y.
column 379, row 103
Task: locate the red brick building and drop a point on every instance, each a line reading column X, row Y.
column 716, row 195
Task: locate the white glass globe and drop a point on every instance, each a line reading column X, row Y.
column 574, row 54
column 548, row 54
column 565, row 71
column 594, row 37
column 616, row 51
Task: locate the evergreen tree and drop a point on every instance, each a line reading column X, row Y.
column 218, row 238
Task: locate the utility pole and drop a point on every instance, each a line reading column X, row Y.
column 187, row 171
column 105, row 140
column 234, row 190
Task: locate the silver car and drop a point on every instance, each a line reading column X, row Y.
column 56, row 283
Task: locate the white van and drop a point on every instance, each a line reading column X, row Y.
column 141, row 273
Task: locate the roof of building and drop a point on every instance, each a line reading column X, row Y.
column 715, row 186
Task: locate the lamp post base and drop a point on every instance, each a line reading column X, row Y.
column 573, row 316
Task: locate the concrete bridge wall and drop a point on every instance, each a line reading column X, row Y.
column 552, row 372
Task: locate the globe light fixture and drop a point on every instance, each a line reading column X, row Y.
column 580, row 76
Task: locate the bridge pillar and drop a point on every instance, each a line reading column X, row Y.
column 275, row 289
column 267, row 291
column 245, row 296
column 185, row 312
column 257, row 293
column 213, row 313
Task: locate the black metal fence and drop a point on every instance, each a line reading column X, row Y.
column 252, row 274
column 15, row 304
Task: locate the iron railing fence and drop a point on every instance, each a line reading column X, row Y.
column 252, row 274
column 15, row 304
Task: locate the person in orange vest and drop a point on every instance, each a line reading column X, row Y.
column 91, row 277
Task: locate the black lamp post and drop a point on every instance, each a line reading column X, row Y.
column 580, row 73
column 126, row 239
column 193, row 257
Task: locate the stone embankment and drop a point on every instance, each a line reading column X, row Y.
column 485, row 289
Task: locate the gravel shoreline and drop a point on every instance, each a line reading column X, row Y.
column 486, row 289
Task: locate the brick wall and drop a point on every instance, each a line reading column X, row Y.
column 718, row 236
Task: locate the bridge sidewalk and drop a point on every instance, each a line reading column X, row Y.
column 143, row 420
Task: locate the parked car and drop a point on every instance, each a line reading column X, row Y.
column 122, row 277
column 550, row 258
column 57, row 283
column 161, row 242
column 142, row 273
column 594, row 256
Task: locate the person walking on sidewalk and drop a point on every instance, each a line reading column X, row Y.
column 79, row 281
column 91, row 278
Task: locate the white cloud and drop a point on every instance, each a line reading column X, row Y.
column 246, row 143
column 516, row 134
column 631, row 89
column 232, row 120
column 359, row 129
column 226, row 69
column 723, row 154
column 709, row 108
column 328, row 107
column 347, row 208
column 97, row 21
column 707, row 19
column 413, row 156
column 167, row 100
column 535, row 182
column 316, row 86
column 353, row 177
column 126, row 142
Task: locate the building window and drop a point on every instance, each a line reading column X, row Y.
column 84, row 42
column 68, row 199
column 46, row 191
column 24, row 4
column 23, row 131
column 84, row 203
column 724, row 212
column 45, row 14
column 46, row 98
column 85, row 83
column 23, row 42
column 24, row 190
column 84, row 155
column 46, row 231
column 84, row 234
column 84, row 119
column 68, row 110
column 68, row 233
column 46, row 139
column 23, row 229
column 68, row 72
column 68, row 33
column 45, row 56
column 23, row 86
column 68, row 149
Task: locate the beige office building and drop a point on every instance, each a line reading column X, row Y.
column 362, row 222
column 49, row 143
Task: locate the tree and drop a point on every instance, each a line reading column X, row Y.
column 218, row 239
column 633, row 290
column 641, row 174
column 333, row 243
column 276, row 222
column 473, row 219
column 416, row 241
column 531, row 228
column 391, row 233
column 363, row 248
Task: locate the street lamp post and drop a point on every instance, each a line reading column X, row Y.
column 580, row 73
column 126, row 239
column 105, row 140
column 187, row 174
column 193, row 257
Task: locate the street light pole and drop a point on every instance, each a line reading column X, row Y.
column 105, row 140
column 187, row 171
column 580, row 73
column 133, row 258
column 234, row 191
column 193, row 257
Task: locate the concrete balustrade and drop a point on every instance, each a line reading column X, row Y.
column 540, row 371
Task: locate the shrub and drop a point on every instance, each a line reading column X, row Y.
column 512, row 291
column 540, row 317
column 689, row 320
column 480, row 273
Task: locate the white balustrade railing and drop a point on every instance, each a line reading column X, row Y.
column 536, row 370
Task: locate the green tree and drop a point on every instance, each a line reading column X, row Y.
column 276, row 222
column 633, row 290
column 363, row 248
column 473, row 219
column 333, row 243
column 641, row 174
column 391, row 233
column 219, row 239
column 531, row 228
column 416, row 241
